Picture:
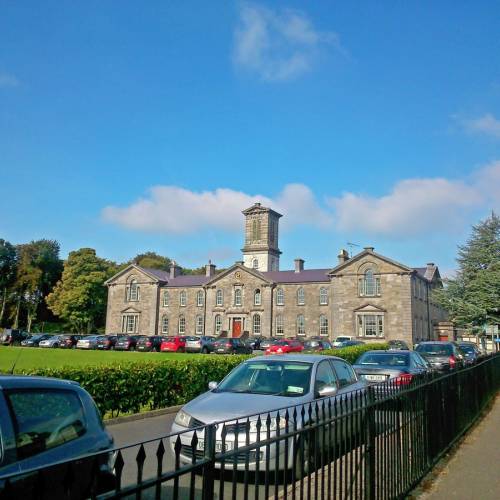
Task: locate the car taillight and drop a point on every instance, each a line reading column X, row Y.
column 228, row 344
column 108, row 342
column 148, row 343
column 452, row 361
column 404, row 379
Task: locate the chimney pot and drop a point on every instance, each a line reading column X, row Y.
column 210, row 269
column 370, row 249
column 175, row 270
column 430, row 264
column 299, row 265
column 343, row 256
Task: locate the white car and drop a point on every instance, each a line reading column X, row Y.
column 340, row 339
column 51, row 342
column 89, row 342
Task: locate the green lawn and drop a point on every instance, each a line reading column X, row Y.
column 34, row 357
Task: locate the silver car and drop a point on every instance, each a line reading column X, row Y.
column 259, row 387
column 89, row 342
column 51, row 342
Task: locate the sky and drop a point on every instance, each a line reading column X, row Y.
column 148, row 126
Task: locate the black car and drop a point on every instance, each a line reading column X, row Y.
column 471, row 352
column 398, row 345
column 69, row 341
column 230, row 345
column 126, row 343
column 13, row 337
column 34, row 340
column 316, row 345
column 44, row 421
column 106, row 342
column 442, row 356
column 149, row 343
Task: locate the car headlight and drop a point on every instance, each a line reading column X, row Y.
column 273, row 425
column 183, row 419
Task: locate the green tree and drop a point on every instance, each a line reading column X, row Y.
column 80, row 296
column 8, row 266
column 151, row 260
column 473, row 296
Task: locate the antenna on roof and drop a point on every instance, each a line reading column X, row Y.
column 351, row 246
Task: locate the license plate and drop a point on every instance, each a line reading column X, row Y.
column 375, row 378
column 228, row 446
column 220, row 350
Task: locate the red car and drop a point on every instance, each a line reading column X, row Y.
column 173, row 344
column 285, row 346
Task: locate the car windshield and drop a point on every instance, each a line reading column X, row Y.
column 383, row 359
column 435, row 349
column 277, row 378
column 311, row 343
column 343, row 339
column 223, row 339
column 282, row 342
column 469, row 349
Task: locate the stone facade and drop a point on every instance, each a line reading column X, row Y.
column 368, row 296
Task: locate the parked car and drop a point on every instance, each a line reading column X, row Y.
column 400, row 366
column 471, row 352
column 34, row 340
column 106, row 342
column 267, row 342
column 149, row 343
column 69, row 341
column 285, row 346
column 126, row 343
column 350, row 343
column 176, row 343
column 88, row 342
column 442, row 356
column 398, row 345
column 54, row 342
column 256, row 388
column 202, row 344
column 254, row 342
column 340, row 339
column 228, row 345
column 314, row 345
column 44, row 421
column 13, row 337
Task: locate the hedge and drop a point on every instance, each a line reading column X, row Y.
column 131, row 387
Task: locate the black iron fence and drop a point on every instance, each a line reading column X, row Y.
column 373, row 443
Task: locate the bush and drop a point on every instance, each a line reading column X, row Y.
column 351, row 354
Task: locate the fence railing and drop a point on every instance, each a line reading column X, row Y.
column 374, row 443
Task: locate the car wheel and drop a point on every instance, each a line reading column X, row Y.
column 132, row 348
column 204, row 350
column 302, row 458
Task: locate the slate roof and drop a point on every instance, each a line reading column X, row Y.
column 425, row 272
column 305, row 276
column 183, row 280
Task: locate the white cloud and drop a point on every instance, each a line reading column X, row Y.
column 171, row 209
column 277, row 45
column 486, row 124
column 419, row 206
column 8, row 80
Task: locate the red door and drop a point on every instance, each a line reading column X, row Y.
column 236, row 327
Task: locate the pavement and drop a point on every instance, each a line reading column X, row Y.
column 474, row 469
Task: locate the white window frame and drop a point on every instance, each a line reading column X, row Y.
column 255, row 264
column 366, row 322
column 323, row 325
column 280, row 297
column 218, row 323
column 219, row 298
column 166, row 299
column 164, row 324
column 369, row 284
column 323, row 296
column 238, row 297
column 256, row 324
column 133, row 291
column 183, row 298
column 199, row 324
column 280, row 325
column 301, row 325
column 182, row 324
column 257, row 297
column 199, row 298
column 130, row 323
column 301, row 297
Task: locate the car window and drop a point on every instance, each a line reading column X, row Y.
column 324, row 376
column 344, row 373
column 44, row 419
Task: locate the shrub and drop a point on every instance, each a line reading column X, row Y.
column 352, row 353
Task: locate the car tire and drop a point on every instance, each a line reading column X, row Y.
column 302, row 458
column 204, row 350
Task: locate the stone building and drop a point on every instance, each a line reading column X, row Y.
column 367, row 296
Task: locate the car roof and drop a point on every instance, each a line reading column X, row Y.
column 384, row 351
column 30, row 382
column 307, row 358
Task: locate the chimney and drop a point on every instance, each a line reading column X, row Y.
column 175, row 270
column 369, row 249
column 210, row 269
column 343, row 256
column 430, row 265
column 299, row 265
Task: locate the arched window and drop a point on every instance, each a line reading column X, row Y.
column 133, row 291
column 256, row 229
column 164, row 325
column 199, row 324
column 182, row 325
column 257, row 298
column 301, row 298
column 301, row 325
column 183, row 298
column 323, row 296
column 256, row 324
column 237, row 297
column 219, row 298
column 369, row 285
column 323, row 325
column 166, row 299
column 280, row 329
column 280, row 297
column 218, row 324
column 199, row 298
column 255, row 263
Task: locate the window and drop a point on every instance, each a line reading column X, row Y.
column 257, row 298
column 325, row 377
column 255, row 263
column 130, row 323
column 280, row 330
column 44, row 419
column 369, row 286
column 133, row 291
column 256, row 324
column 323, row 296
column 371, row 325
column 301, row 299
column 182, row 325
column 256, row 229
column 323, row 325
column 166, row 299
column 199, row 298
column 301, row 325
column 237, row 297
column 219, row 298
column 218, row 323
column 280, row 297
column 183, row 298
column 344, row 372
column 199, row 324
column 164, row 325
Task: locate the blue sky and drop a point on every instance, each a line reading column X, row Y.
column 135, row 126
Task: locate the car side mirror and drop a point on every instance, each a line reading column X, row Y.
column 212, row 386
column 327, row 391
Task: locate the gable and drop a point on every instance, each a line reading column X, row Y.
column 123, row 276
column 130, row 310
column 369, row 259
column 238, row 273
column 370, row 308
